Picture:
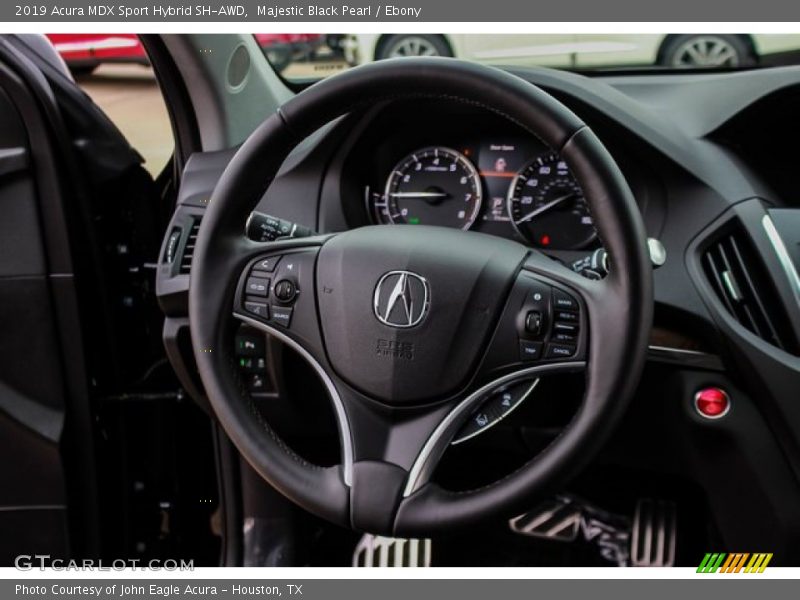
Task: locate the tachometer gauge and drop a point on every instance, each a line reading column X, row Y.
column 547, row 207
column 432, row 186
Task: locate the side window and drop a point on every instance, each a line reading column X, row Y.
column 114, row 70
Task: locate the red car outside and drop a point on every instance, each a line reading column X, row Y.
column 84, row 52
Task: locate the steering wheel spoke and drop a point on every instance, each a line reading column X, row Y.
column 275, row 291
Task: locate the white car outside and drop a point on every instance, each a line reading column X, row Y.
column 576, row 50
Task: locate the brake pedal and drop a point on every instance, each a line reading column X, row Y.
column 567, row 519
column 378, row 551
column 653, row 533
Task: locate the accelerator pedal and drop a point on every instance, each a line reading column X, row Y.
column 654, row 533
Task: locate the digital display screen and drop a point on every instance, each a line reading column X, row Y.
column 498, row 163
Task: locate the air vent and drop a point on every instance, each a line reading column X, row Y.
column 188, row 249
column 741, row 282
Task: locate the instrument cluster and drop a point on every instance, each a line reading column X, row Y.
column 509, row 187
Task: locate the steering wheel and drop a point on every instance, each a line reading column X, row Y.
column 421, row 335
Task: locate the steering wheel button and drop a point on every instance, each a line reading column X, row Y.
column 256, row 382
column 570, row 328
column 257, row 286
column 267, row 264
column 563, row 301
column 563, row 338
column 563, row 315
column 250, row 345
column 533, row 322
column 504, row 402
column 559, row 351
column 530, row 350
column 282, row 315
column 538, row 297
column 285, row 290
column 258, row 309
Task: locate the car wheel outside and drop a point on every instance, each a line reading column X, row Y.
column 396, row 46
column 706, row 50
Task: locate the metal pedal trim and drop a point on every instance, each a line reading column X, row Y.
column 379, row 551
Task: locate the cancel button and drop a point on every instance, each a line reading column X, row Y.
column 559, row 351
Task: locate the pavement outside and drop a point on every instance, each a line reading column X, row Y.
column 130, row 96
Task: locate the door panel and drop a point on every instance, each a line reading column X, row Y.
column 34, row 396
column 520, row 49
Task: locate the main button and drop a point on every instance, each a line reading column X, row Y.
column 563, row 301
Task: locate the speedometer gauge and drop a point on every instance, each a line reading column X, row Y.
column 547, row 207
column 432, row 186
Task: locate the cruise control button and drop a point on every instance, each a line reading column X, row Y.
column 563, row 338
column 530, row 350
column 282, row 315
column 559, row 351
column 267, row 264
column 563, row 315
column 257, row 286
column 571, row 328
column 563, row 301
column 258, row 309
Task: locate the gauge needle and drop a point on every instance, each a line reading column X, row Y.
column 418, row 195
column 544, row 207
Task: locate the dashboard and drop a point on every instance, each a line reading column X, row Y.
column 439, row 162
column 510, row 186
column 445, row 164
column 704, row 175
column 712, row 163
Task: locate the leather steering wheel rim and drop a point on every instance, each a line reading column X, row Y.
column 620, row 307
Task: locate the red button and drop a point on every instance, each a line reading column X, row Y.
column 712, row 403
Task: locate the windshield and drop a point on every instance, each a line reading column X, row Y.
column 307, row 57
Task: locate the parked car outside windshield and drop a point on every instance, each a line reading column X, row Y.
column 580, row 52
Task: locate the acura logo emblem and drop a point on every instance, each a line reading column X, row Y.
column 401, row 299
